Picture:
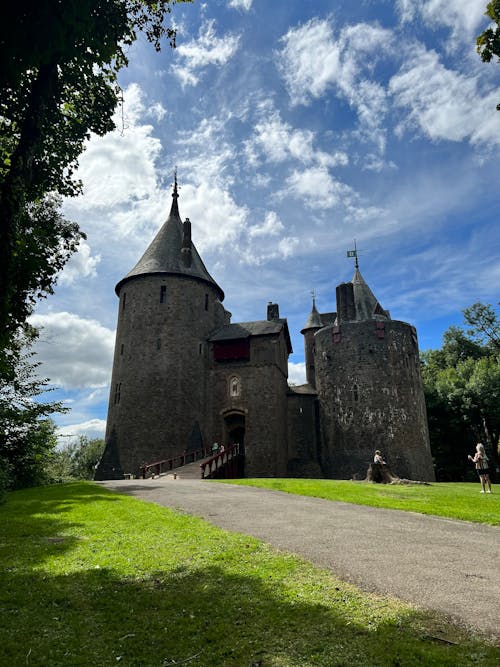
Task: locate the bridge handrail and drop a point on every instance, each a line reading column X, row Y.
column 170, row 464
column 219, row 459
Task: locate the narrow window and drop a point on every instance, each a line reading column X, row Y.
column 163, row 294
column 355, row 393
column 121, row 349
column 124, row 300
column 206, row 301
column 118, row 388
column 199, row 348
column 158, row 343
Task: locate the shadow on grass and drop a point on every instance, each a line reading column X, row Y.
column 203, row 618
column 192, row 615
column 34, row 522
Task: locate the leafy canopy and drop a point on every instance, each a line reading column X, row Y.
column 488, row 42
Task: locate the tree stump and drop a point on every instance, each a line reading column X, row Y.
column 380, row 474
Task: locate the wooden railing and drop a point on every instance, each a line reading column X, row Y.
column 225, row 464
column 159, row 467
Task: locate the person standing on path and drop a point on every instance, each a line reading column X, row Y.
column 482, row 467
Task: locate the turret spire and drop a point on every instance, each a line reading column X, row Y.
column 174, row 210
column 314, row 319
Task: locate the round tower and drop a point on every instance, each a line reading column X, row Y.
column 312, row 325
column 168, row 305
column 370, row 390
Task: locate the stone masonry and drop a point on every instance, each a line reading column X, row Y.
column 184, row 377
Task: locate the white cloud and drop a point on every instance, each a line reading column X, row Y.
column 92, row 429
column 199, row 53
column 287, row 246
column 296, row 373
column 462, row 17
column 216, row 217
column 120, row 167
column 276, row 141
column 82, row 264
column 241, row 4
column 317, row 188
column 157, row 111
column 74, row 352
column 310, row 60
column 443, row 103
column 313, row 61
column 271, row 226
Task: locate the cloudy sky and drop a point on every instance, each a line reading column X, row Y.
column 296, row 127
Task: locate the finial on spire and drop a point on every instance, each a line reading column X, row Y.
column 313, row 294
column 175, row 193
column 174, row 210
column 354, row 253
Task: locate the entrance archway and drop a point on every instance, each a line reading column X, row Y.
column 234, row 427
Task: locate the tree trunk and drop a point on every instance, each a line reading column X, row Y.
column 17, row 183
column 380, row 474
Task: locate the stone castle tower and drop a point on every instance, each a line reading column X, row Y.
column 184, row 376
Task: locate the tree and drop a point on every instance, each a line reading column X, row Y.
column 462, row 387
column 27, row 435
column 58, row 84
column 76, row 460
column 488, row 42
column 41, row 251
column 484, row 325
column 85, row 455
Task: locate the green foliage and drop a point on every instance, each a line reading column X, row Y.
column 488, row 42
column 42, row 249
column 450, row 500
column 462, row 388
column 155, row 587
column 27, row 436
column 484, row 325
column 58, row 84
column 77, row 460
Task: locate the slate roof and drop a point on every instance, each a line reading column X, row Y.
column 303, row 389
column 367, row 306
column 314, row 320
column 164, row 256
column 247, row 329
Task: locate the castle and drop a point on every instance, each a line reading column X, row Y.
column 184, row 377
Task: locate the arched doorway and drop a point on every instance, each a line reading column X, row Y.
column 234, row 427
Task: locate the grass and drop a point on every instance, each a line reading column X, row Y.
column 89, row 577
column 450, row 500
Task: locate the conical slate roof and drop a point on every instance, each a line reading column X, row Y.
column 314, row 320
column 164, row 254
column 367, row 306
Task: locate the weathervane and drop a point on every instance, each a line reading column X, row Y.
column 354, row 253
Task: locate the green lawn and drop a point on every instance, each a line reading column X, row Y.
column 451, row 500
column 89, row 577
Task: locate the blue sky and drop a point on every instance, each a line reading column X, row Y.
column 296, row 127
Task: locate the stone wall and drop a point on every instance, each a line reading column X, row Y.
column 371, row 397
column 160, row 367
column 303, row 434
column 261, row 402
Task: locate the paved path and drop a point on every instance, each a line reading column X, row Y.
column 449, row 566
